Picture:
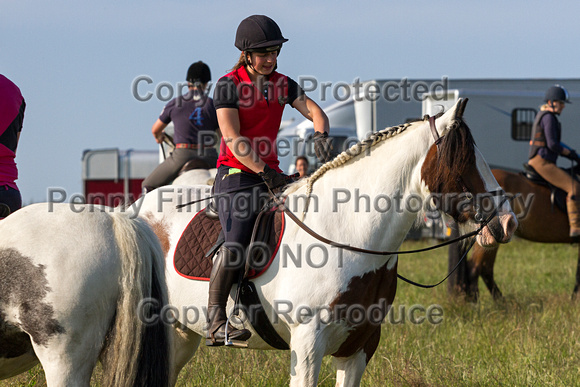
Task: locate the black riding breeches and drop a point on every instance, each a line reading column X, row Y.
column 241, row 196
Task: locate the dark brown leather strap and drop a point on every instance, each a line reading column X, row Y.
column 375, row 252
column 258, row 318
column 434, row 131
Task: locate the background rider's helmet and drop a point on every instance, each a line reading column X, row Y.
column 198, row 73
column 557, row 93
column 259, row 33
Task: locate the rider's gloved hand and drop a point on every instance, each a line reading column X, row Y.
column 322, row 146
column 272, row 178
column 291, row 178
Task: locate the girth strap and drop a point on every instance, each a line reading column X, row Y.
column 257, row 315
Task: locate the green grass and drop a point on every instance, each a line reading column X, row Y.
column 532, row 337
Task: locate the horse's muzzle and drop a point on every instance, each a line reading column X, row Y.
column 499, row 230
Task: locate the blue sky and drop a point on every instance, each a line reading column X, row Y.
column 75, row 62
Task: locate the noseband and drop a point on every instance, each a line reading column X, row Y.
column 484, row 220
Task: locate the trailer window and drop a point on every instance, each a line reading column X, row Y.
column 522, row 122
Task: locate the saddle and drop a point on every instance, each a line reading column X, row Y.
column 193, row 257
column 557, row 195
column 195, row 163
column 202, row 238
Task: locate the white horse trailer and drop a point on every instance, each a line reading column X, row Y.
column 501, row 120
column 112, row 176
column 501, row 111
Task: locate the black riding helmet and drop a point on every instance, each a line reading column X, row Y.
column 198, row 72
column 259, row 33
column 557, row 93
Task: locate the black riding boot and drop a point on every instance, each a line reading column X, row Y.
column 223, row 276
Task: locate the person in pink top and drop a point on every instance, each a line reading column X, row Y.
column 12, row 107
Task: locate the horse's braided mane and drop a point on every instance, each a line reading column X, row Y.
column 359, row 148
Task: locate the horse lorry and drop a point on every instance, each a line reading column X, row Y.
column 500, row 113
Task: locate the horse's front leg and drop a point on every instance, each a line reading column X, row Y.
column 349, row 370
column 481, row 264
column 577, row 285
column 308, row 346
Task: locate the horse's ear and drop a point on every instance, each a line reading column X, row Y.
column 460, row 107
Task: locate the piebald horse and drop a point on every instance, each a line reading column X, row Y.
column 81, row 285
column 196, row 177
column 336, row 308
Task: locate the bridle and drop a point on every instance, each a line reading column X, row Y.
column 482, row 223
column 479, row 216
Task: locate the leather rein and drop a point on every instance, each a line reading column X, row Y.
column 478, row 218
column 483, row 222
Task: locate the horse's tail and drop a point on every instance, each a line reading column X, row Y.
column 137, row 351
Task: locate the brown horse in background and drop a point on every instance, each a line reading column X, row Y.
column 539, row 221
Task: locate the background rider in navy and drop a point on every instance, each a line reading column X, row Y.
column 194, row 118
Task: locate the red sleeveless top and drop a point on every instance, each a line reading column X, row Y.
column 260, row 115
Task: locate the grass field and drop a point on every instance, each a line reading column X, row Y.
column 530, row 338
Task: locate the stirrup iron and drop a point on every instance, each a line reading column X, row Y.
column 234, row 343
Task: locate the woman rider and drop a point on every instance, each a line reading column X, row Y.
column 249, row 102
column 545, row 147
